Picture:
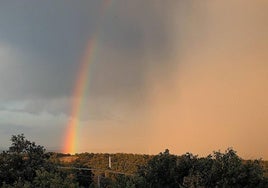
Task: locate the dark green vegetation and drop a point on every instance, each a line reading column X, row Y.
column 26, row 164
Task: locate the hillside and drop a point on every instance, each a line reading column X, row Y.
column 121, row 162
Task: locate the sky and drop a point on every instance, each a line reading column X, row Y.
column 190, row 76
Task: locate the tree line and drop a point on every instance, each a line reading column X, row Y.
column 26, row 164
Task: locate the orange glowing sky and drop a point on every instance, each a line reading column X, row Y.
column 213, row 95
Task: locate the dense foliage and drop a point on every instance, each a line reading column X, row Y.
column 217, row 170
column 26, row 164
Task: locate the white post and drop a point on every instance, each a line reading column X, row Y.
column 110, row 162
column 98, row 181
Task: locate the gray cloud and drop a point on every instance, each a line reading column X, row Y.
column 48, row 28
column 24, row 79
column 45, row 42
column 13, row 129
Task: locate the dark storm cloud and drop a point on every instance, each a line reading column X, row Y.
column 135, row 25
column 46, row 40
column 49, row 37
column 23, row 79
column 48, row 28
column 130, row 38
column 60, row 30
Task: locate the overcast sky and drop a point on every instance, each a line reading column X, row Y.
column 184, row 75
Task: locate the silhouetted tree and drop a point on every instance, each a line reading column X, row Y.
column 25, row 164
column 217, row 170
column 21, row 160
column 161, row 171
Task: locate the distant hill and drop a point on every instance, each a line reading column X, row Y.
column 127, row 163
column 121, row 162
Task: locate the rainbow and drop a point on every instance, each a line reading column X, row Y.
column 80, row 87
